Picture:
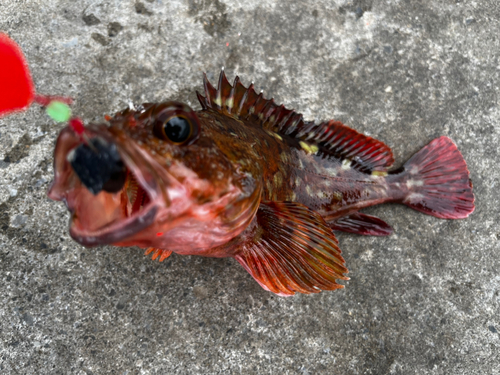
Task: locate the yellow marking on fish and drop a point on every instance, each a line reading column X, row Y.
column 273, row 134
column 310, row 149
column 309, row 190
column 337, row 195
column 269, row 185
column 379, row 173
column 218, row 101
column 346, row 164
column 272, row 118
column 301, row 165
column 292, row 197
column 322, row 194
column 284, row 157
column 298, row 181
column 278, row 180
column 230, row 102
column 331, row 171
column 252, row 110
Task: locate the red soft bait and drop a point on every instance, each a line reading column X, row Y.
column 16, row 88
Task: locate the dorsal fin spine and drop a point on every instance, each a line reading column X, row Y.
column 224, row 90
column 210, row 91
column 307, row 128
column 324, row 139
column 285, row 119
column 277, row 116
column 268, row 110
column 295, row 119
column 259, row 105
column 230, row 100
column 251, row 98
column 202, row 100
column 244, row 95
column 242, row 103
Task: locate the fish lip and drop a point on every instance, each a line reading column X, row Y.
column 128, row 228
column 122, row 228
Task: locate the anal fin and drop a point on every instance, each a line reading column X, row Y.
column 291, row 249
column 361, row 224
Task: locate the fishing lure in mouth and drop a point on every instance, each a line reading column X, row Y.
column 244, row 178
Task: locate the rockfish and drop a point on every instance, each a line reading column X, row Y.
column 244, row 178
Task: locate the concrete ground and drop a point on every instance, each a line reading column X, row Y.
column 422, row 301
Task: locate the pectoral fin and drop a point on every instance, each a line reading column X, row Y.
column 291, row 249
column 362, row 224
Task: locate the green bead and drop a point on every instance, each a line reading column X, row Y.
column 58, row 111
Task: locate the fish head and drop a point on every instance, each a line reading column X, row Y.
column 152, row 177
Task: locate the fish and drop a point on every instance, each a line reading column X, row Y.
column 245, row 178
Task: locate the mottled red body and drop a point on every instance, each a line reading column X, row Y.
column 252, row 181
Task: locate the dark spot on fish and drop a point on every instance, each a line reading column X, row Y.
column 101, row 39
column 492, row 329
column 90, row 19
column 140, row 8
column 114, row 28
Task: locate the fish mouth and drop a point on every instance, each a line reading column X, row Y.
column 104, row 212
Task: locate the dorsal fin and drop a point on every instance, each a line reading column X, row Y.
column 332, row 137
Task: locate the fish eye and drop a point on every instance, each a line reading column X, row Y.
column 175, row 123
column 177, row 129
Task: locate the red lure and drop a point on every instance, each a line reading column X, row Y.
column 16, row 91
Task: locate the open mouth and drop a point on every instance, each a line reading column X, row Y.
column 109, row 186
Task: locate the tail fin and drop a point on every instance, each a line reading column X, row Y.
column 438, row 181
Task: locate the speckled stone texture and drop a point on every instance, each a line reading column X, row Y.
column 422, row 301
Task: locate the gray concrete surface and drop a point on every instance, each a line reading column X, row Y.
column 422, row 301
